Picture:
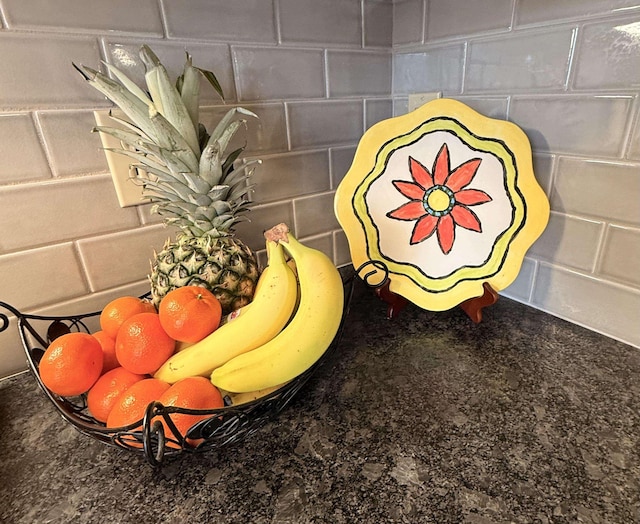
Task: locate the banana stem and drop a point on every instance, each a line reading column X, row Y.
column 278, row 233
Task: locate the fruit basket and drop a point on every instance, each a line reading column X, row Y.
column 223, row 427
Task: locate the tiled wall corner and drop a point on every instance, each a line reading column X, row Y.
column 316, row 72
column 568, row 73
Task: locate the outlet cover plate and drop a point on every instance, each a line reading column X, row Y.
column 417, row 100
column 129, row 193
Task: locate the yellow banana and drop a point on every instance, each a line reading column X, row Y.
column 242, row 398
column 260, row 321
column 305, row 338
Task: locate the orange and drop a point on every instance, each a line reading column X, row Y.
column 104, row 393
column 71, row 364
column 190, row 313
column 190, row 393
column 142, row 346
column 108, row 350
column 119, row 310
column 130, row 406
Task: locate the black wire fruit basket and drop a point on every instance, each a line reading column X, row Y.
column 222, row 427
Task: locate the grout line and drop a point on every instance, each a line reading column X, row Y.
column 276, row 21
column 574, row 48
column 514, row 5
column 363, row 27
column 287, row 125
column 600, row 244
column 628, row 133
column 423, row 33
column 163, row 19
column 465, row 57
column 234, row 74
column 534, row 278
column 325, row 72
column 83, row 266
column 3, row 17
column 35, row 118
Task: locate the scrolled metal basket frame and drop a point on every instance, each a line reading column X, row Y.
column 222, row 427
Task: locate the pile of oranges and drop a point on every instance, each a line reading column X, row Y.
column 114, row 366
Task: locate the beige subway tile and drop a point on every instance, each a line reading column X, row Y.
column 147, row 217
column 378, row 24
column 322, row 243
column 314, row 124
column 607, row 56
column 314, row 214
column 125, row 55
column 377, row 110
column 530, row 61
column 408, row 22
column 437, row 69
column 41, row 276
column 539, row 11
column 520, row 288
column 569, row 241
column 620, row 255
column 267, row 133
column 447, row 18
column 358, row 73
column 41, row 72
column 542, row 169
column 609, row 190
column 142, row 16
column 20, row 150
column 275, row 73
column 118, row 258
column 240, row 20
column 400, row 105
column 608, row 308
column 492, row 107
column 42, row 213
column 593, row 126
column 290, row 175
column 634, row 145
column 261, row 218
column 12, row 355
column 341, row 251
column 341, row 159
column 73, row 148
column 326, row 22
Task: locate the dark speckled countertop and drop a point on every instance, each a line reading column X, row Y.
column 425, row 418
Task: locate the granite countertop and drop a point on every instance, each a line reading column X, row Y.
column 424, row 418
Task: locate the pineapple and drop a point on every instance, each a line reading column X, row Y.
column 185, row 172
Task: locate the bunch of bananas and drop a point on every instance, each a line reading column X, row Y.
column 287, row 327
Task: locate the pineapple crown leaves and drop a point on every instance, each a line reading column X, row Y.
column 183, row 170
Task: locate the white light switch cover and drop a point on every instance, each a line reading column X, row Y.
column 129, row 193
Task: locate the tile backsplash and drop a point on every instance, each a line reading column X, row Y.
column 319, row 73
column 568, row 73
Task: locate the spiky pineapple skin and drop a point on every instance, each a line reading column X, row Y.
column 224, row 265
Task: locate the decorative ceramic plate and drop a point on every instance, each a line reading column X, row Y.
column 442, row 200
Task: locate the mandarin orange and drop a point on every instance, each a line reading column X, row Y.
column 190, row 393
column 104, row 393
column 71, row 364
column 142, row 345
column 130, row 406
column 108, row 344
column 119, row 310
column 190, row 313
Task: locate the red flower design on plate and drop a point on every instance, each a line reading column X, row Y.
column 438, row 201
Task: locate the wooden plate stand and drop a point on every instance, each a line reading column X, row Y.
column 472, row 307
